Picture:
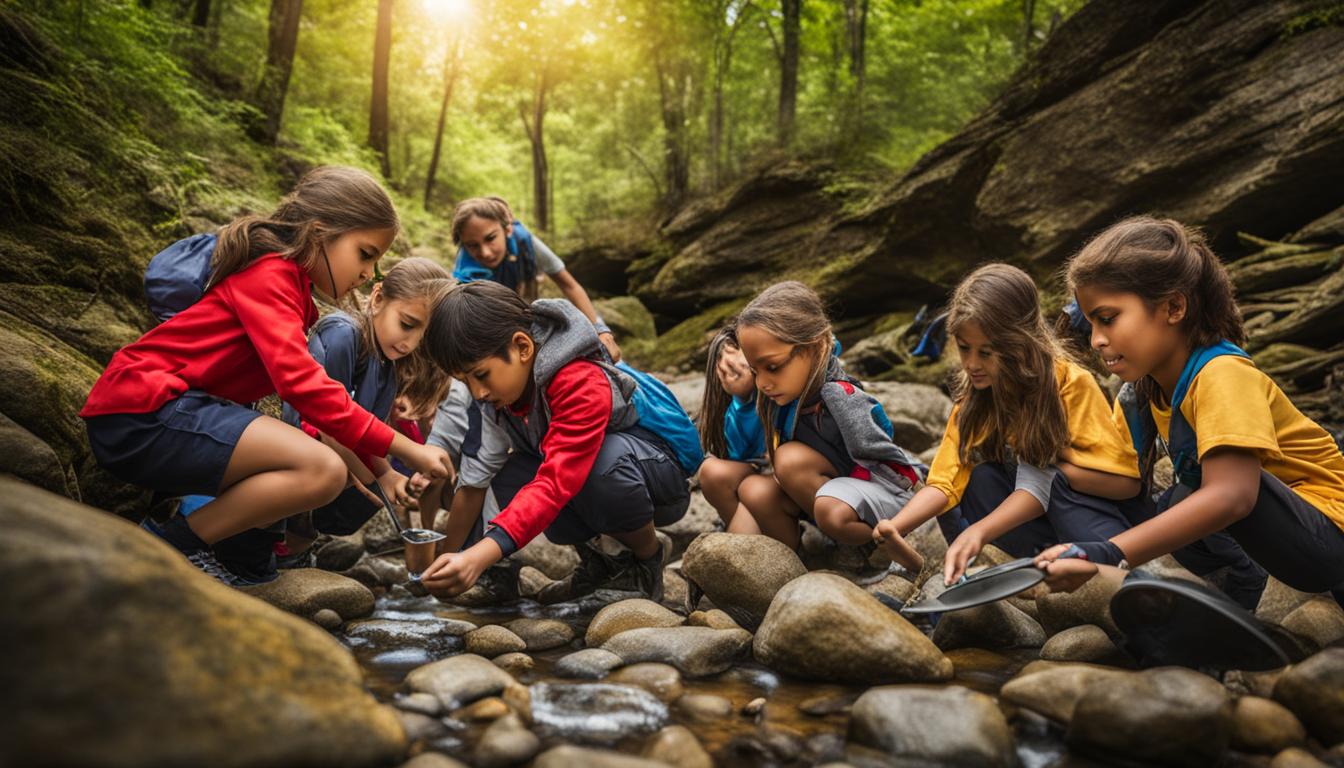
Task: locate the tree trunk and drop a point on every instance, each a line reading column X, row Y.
column 382, row 49
column 451, row 66
column 1028, row 24
column 856, row 28
column 284, row 38
column 788, row 69
column 716, row 134
column 536, row 137
column 672, row 86
column 200, row 16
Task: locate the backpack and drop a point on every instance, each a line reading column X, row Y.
column 519, row 266
column 176, row 277
column 1181, row 445
column 661, row 414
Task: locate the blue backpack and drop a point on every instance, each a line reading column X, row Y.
column 519, row 266
column 661, row 414
column 1182, row 444
column 176, row 277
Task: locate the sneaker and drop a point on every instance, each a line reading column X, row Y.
column 287, row 560
column 648, row 575
column 595, row 570
column 249, row 556
column 206, row 562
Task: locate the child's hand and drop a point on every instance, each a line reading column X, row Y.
column 395, row 486
column 417, row 484
column 888, row 536
column 430, row 460
column 454, row 573
column 613, row 348
column 734, row 374
column 959, row 555
column 1064, row 574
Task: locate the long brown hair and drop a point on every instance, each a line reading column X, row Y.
column 1023, row 409
column 794, row 314
column 418, row 378
column 715, row 402
column 1157, row 259
column 326, row 203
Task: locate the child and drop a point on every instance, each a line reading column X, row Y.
column 167, row 413
column 1030, row 456
column 556, row 434
column 493, row 245
column 1247, row 462
column 833, row 455
column 730, row 429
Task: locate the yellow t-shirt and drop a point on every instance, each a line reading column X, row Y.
column 1094, row 441
column 1233, row 404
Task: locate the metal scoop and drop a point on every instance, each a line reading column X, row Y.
column 420, row 544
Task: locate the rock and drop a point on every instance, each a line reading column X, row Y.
column 741, row 574
column 1265, row 726
column 340, row 552
column 971, row 661
column 542, row 634
column 821, row 706
column 1169, row 715
column 994, row 625
column 700, row 518
column 1054, row 690
column 628, row 614
column 119, row 632
column 420, row 727
column 1089, row 604
column 676, row 745
column 1319, row 620
column 929, row 542
column 327, row 619
column 1086, row 643
column 459, row 680
column 514, row 663
column 893, row 588
column 568, row 756
column 493, row 640
column 627, row 318
column 506, row 742
column 590, row 664
column 1314, row 691
column 754, row 708
column 1278, row 600
column 29, row 458
column 661, row 680
column 379, row 536
column 531, row 581
column 822, row 627
column 435, row 635
column 424, row 703
column 432, row 760
column 485, row 710
column 1296, row 757
column 705, row 707
column 305, row 591
column 944, row 726
column 595, row 712
column 555, row 560
column 689, row 391
column 696, row 651
column 378, row 571
column 713, row 618
column 1241, row 682
column 676, row 593
column 918, row 412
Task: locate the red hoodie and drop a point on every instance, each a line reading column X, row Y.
column 245, row 339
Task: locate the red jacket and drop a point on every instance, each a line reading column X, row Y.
column 245, row 339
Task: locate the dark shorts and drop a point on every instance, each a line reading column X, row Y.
column 632, row 482
column 182, row 448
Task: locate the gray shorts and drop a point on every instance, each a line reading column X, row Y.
column 872, row 501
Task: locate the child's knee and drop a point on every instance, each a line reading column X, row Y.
column 832, row 514
column 326, row 477
column 715, row 475
column 757, row 491
column 793, row 460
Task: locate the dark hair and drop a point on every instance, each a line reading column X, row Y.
column 475, row 321
column 794, row 314
column 419, row 380
column 328, row 202
column 1023, row 408
column 492, row 208
column 714, row 405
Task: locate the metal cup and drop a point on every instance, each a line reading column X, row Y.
column 420, row 549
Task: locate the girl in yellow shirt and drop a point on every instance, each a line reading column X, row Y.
column 1247, row 461
column 1030, row 456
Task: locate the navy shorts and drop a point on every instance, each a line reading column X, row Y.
column 182, row 448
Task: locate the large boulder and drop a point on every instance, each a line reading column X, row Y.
column 1053, row 690
column 741, row 574
column 1314, row 691
column 823, row 627
column 459, row 680
column 305, row 591
column 917, row 412
column 1164, row 716
column 951, row 726
column 127, row 655
column 696, row 651
column 993, row 625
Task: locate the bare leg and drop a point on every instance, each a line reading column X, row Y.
column 275, row 471
column 838, row 520
column 719, row 481
column 770, row 511
column 801, row 472
column 430, row 502
column 641, row 541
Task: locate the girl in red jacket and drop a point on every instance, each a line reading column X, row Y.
column 169, row 412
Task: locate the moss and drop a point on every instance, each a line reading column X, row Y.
column 684, row 344
column 1330, row 15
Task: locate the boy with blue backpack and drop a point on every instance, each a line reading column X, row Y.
column 570, row 443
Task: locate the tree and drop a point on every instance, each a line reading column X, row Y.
column 200, row 14
column 382, row 51
column 284, row 39
column 533, row 114
column 727, row 20
column 856, row 34
column 787, row 53
column 452, row 65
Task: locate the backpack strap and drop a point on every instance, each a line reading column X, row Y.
column 1183, row 444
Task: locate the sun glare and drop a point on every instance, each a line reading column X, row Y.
column 448, row 10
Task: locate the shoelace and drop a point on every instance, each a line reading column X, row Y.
column 212, row 568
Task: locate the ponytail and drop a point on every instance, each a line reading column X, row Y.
column 714, row 405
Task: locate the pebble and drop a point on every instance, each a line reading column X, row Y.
column 588, row 664
column 327, row 619
column 515, row 663
column 625, row 615
column 541, row 634
column 662, row 680
column 676, row 745
column 493, row 640
column 705, row 707
column 506, row 742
